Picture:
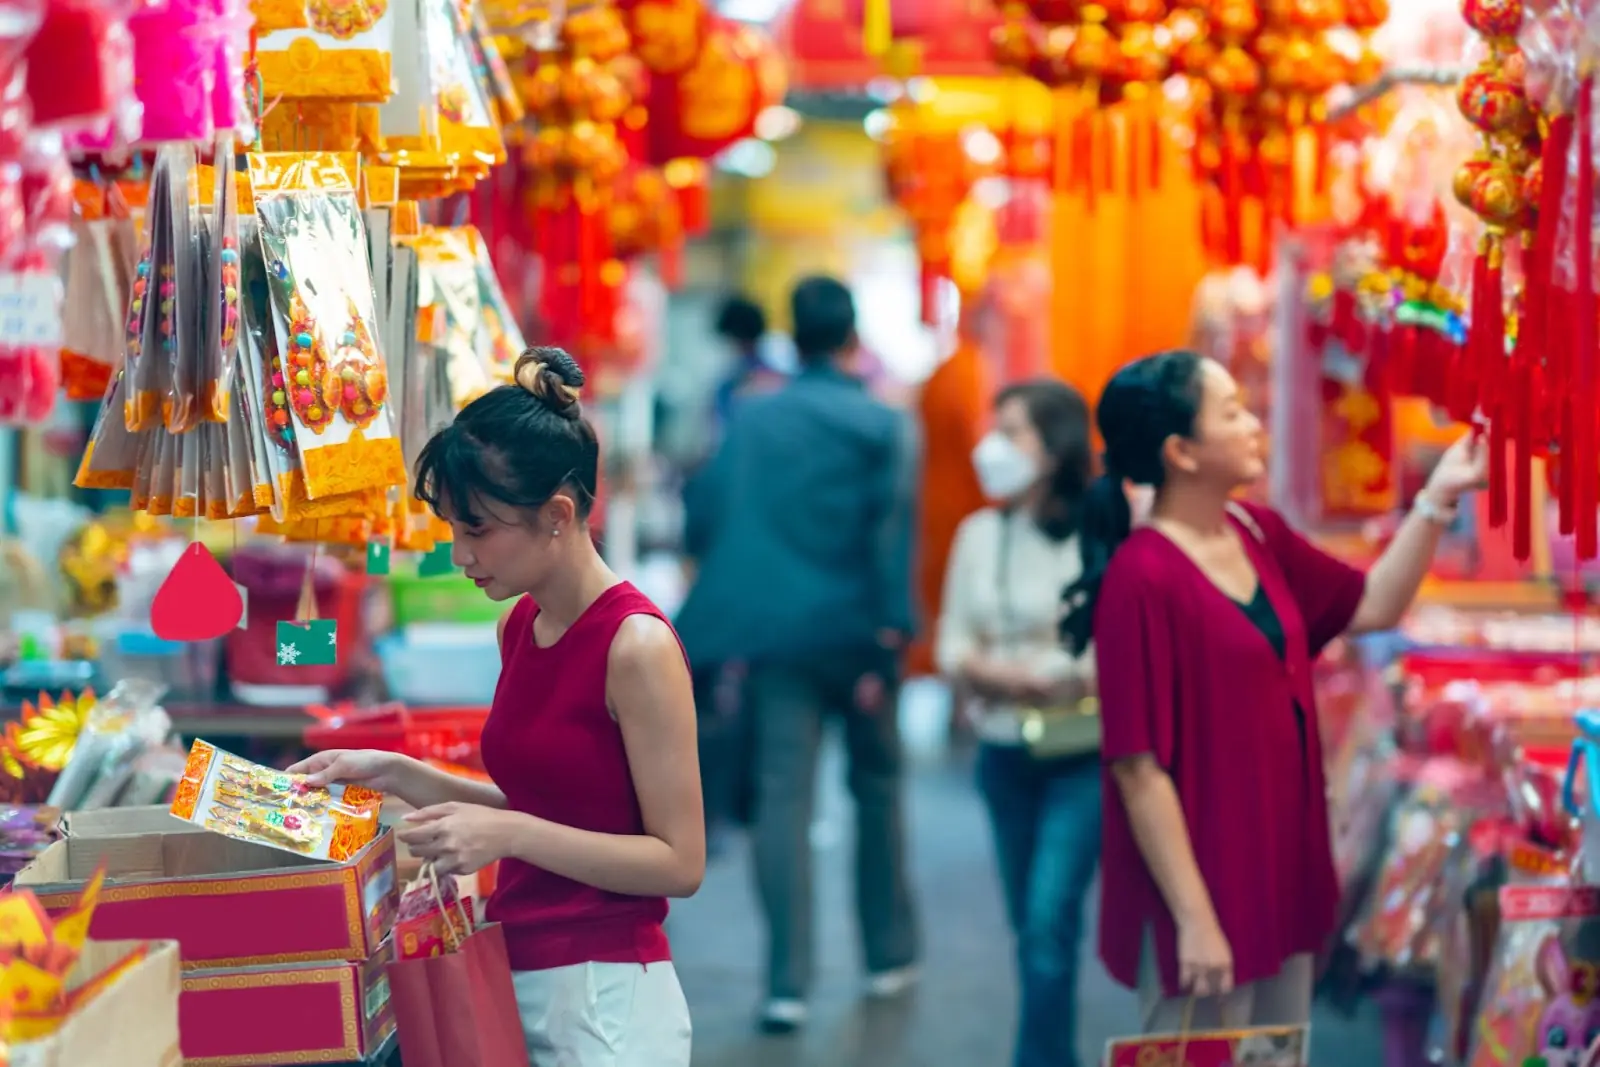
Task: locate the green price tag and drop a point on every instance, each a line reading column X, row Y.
column 436, row 563
column 308, row 644
column 378, row 558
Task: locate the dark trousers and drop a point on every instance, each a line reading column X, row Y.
column 788, row 705
column 1046, row 817
column 725, row 749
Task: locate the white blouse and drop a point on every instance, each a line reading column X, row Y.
column 1002, row 599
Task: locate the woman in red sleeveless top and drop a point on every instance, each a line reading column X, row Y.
column 594, row 812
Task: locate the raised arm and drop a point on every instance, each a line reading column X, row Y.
column 1394, row 580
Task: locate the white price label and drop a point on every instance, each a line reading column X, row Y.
column 30, row 310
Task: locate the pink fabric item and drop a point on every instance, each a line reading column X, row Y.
column 174, row 71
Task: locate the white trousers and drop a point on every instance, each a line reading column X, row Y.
column 604, row 1015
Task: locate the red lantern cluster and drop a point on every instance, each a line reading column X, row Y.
column 929, row 173
column 1541, row 396
column 1261, row 69
column 1095, row 55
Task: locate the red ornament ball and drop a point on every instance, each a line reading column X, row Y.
column 1494, row 18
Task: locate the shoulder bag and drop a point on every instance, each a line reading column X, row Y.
column 1053, row 732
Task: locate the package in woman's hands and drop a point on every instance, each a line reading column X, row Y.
column 234, row 797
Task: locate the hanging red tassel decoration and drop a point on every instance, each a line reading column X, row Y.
column 1495, row 185
column 1584, row 467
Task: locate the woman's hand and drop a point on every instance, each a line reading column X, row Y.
column 1205, row 962
column 1058, row 692
column 1463, row 468
column 458, row 838
column 382, row 771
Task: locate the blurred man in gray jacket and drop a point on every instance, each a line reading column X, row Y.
column 802, row 529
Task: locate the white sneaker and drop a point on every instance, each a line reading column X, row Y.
column 783, row 1016
column 893, row 983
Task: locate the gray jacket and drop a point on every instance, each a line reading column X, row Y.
column 802, row 526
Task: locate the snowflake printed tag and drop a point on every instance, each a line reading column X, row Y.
column 308, row 644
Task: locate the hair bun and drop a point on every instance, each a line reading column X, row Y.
column 552, row 376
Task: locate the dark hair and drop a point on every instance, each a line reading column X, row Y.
column 741, row 320
column 1144, row 404
column 1060, row 416
column 824, row 318
column 518, row 444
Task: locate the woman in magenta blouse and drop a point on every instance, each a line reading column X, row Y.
column 1218, row 874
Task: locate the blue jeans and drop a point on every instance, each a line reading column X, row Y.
column 1046, row 817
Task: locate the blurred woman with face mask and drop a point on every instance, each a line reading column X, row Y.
column 1038, row 761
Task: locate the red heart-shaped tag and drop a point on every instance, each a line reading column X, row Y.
column 198, row 601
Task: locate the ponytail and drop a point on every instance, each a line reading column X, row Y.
column 1104, row 523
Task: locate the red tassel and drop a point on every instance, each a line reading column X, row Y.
column 1522, row 482
column 1232, row 185
column 1499, row 504
column 1585, row 466
column 1544, row 303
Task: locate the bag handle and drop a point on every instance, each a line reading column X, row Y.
column 451, row 940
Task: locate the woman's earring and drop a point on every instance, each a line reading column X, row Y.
column 555, row 531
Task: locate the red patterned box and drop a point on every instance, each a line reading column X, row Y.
column 300, row 1013
column 227, row 903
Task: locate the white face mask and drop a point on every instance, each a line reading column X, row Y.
column 1004, row 471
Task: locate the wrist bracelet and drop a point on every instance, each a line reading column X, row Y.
column 1440, row 516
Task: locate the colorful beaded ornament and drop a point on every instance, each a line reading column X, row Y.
column 168, row 292
column 358, row 385
column 306, row 372
column 344, row 19
column 280, row 423
column 135, row 326
column 230, row 292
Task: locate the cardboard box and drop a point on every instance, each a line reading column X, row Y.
column 140, row 1009
column 298, row 1013
column 227, row 903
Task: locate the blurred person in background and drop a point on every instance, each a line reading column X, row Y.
column 998, row 637
column 742, row 326
column 1218, row 885
column 804, row 576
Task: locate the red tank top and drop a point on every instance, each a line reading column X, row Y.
column 553, row 748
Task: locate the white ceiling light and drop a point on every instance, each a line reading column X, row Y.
column 751, row 10
column 877, row 124
column 777, row 122
column 749, row 158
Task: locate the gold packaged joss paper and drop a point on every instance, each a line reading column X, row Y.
column 232, row 796
column 341, row 51
column 329, row 379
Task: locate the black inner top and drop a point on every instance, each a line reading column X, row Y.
column 1264, row 617
column 1261, row 614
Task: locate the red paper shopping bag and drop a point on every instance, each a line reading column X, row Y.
column 459, row 1009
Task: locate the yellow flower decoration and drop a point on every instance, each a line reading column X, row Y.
column 46, row 735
